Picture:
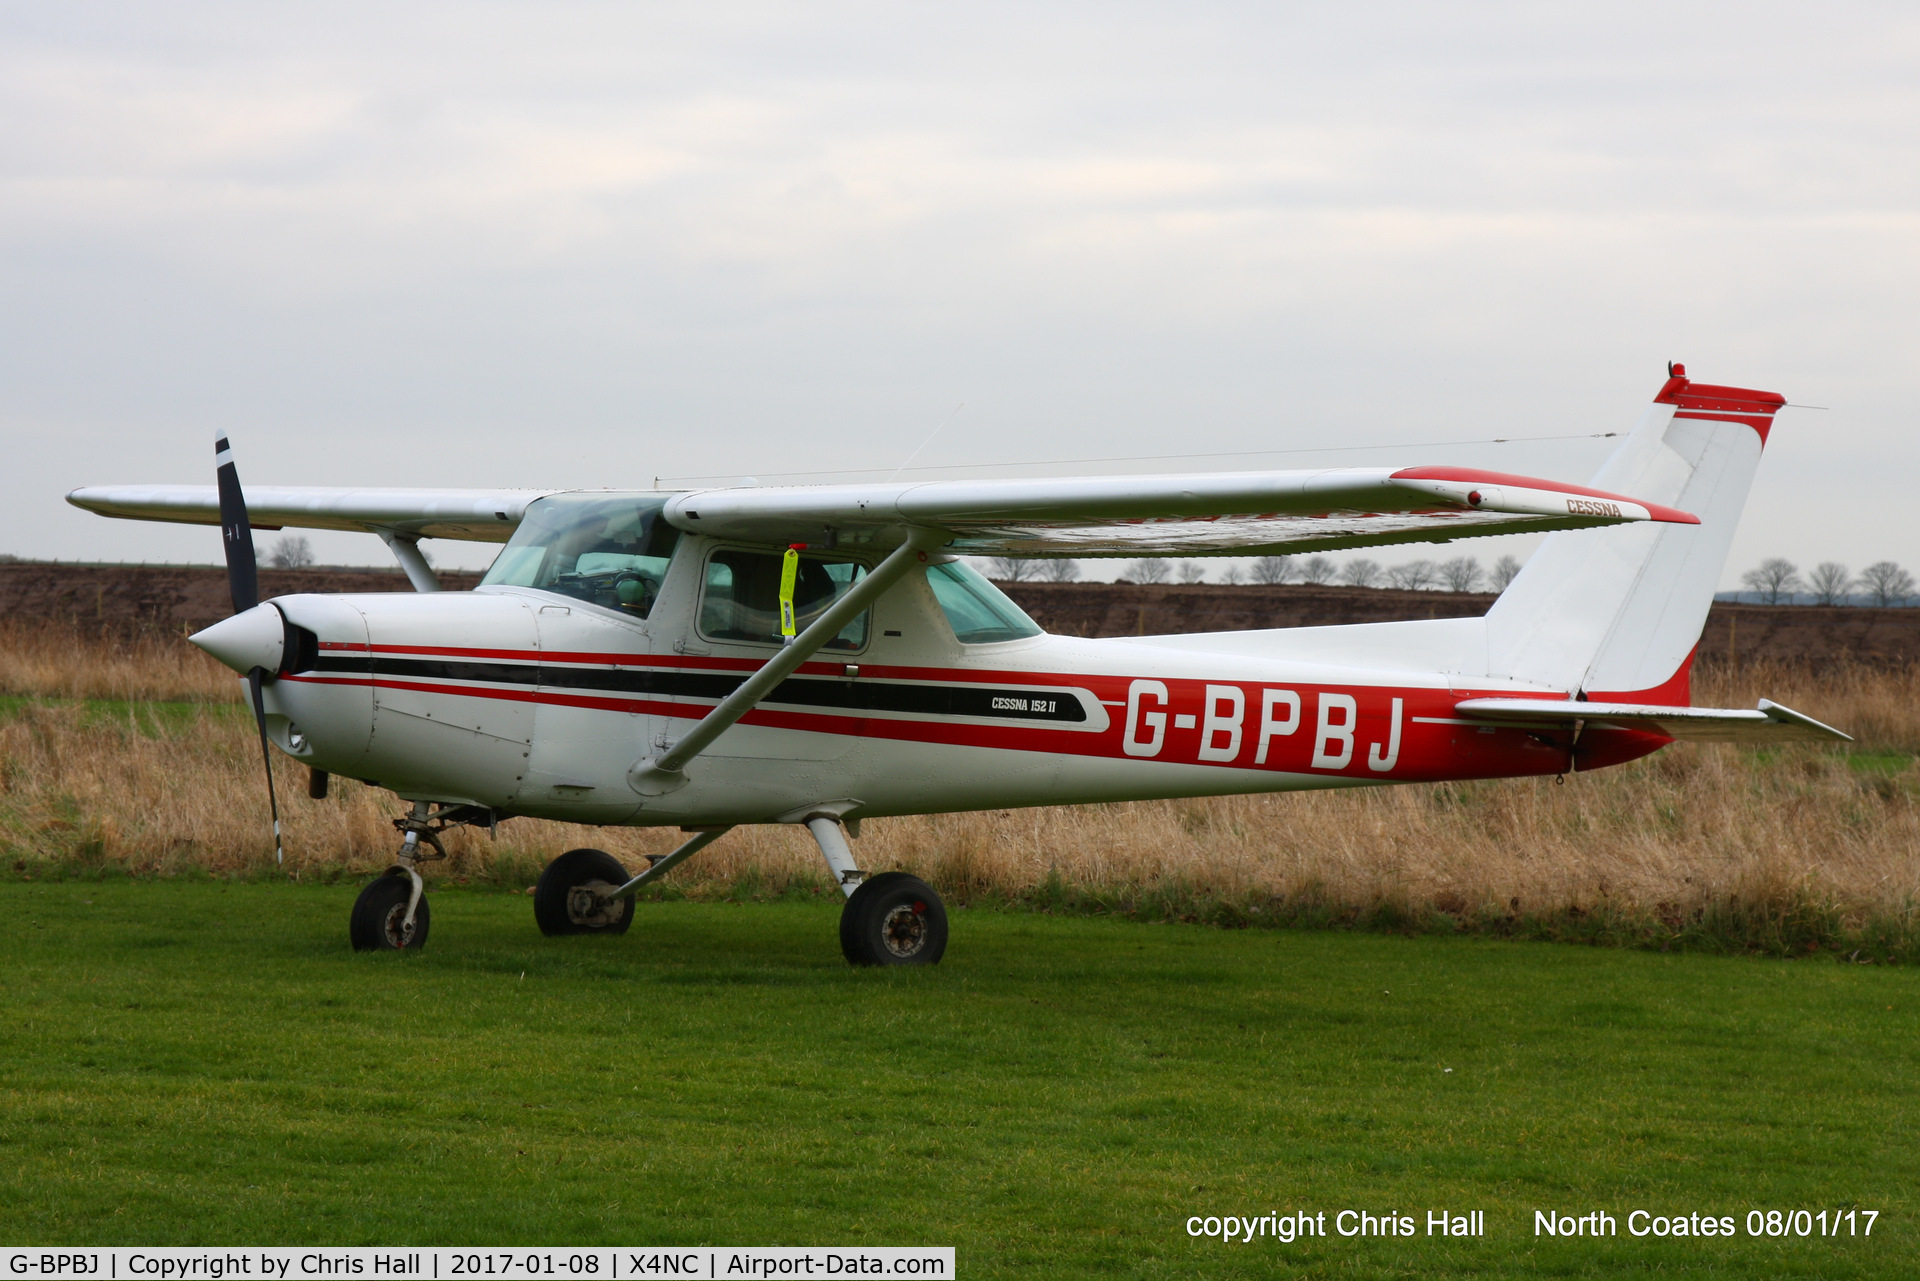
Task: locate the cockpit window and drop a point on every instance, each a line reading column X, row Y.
column 979, row 612
column 611, row 550
column 742, row 597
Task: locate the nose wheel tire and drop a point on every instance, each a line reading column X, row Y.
column 893, row 919
column 570, row 897
column 378, row 923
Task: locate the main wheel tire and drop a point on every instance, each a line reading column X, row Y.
column 893, row 919
column 380, row 913
column 556, row 909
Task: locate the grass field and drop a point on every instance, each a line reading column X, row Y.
column 204, row 1062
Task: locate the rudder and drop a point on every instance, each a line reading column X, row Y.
column 1616, row 614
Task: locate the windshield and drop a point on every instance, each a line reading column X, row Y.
column 979, row 612
column 609, row 550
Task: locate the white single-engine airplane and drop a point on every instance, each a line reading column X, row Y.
column 818, row 655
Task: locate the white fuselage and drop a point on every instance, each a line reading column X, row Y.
column 528, row 702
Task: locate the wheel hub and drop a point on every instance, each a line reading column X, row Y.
column 399, row 933
column 904, row 931
column 589, row 905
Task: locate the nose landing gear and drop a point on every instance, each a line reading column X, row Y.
column 388, row 917
column 391, row 914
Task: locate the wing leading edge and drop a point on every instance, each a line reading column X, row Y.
column 476, row 515
column 1242, row 513
column 1238, row 513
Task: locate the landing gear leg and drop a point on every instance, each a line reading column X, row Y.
column 889, row 919
column 589, row 892
column 392, row 913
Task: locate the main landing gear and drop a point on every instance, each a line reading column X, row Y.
column 575, row 895
column 893, row 919
column 889, row 919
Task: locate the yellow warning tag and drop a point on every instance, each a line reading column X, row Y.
column 789, row 571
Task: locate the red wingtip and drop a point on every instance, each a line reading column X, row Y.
column 1475, row 476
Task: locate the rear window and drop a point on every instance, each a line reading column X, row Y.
column 978, row 612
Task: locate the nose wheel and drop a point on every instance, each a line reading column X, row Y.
column 893, row 919
column 380, row 921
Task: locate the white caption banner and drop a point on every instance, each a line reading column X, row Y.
column 412, row 1263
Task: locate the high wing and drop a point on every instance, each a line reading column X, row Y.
column 476, row 515
column 1221, row 513
column 1769, row 723
column 1231, row 512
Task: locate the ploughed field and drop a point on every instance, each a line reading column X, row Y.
column 200, row 1061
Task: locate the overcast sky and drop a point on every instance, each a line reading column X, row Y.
column 580, row 244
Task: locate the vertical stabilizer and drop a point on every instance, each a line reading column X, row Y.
column 1616, row 613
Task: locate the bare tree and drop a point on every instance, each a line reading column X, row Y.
column 1150, row 569
column 1060, row 570
column 1887, row 583
column 1775, row 577
column 1317, row 570
column 1272, row 569
column 1414, row 576
column 1361, row 573
column 1010, row 569
column 1233, row 575
column 1504, row 571
column 1462, row 574
column 1829, row 582
column 1192, row 571
column 291, row 551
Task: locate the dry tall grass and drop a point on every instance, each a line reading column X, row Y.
column 57, row 660
column 1677, row 837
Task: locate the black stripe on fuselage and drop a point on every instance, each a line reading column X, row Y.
column 845, row 694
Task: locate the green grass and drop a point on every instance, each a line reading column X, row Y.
column 153, row 718
column 207, row 1063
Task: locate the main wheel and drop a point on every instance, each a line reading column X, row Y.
column 893, row 919
column 379, row 917
column 565, row 900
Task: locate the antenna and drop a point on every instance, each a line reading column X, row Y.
column 928, row 441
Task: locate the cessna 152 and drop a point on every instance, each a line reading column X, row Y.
column 818, row 655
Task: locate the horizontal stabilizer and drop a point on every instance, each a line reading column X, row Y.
column 1769, row 723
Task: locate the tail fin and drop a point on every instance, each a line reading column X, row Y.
column 1616, row 613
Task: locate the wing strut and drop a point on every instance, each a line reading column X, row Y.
column 406, row 550
column 665, row 773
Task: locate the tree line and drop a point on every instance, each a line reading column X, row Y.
column 1460, row 574
column 1778, row 581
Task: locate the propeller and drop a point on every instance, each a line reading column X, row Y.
column 243, row 584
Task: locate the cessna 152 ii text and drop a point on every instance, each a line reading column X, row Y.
column 819, row 655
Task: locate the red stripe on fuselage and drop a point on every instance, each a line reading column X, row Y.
column 1353, row 725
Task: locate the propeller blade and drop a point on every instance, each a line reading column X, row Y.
column 254, row 678
column 243, row 577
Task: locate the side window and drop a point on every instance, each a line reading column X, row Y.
column 742, row 597
column 978, row 612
